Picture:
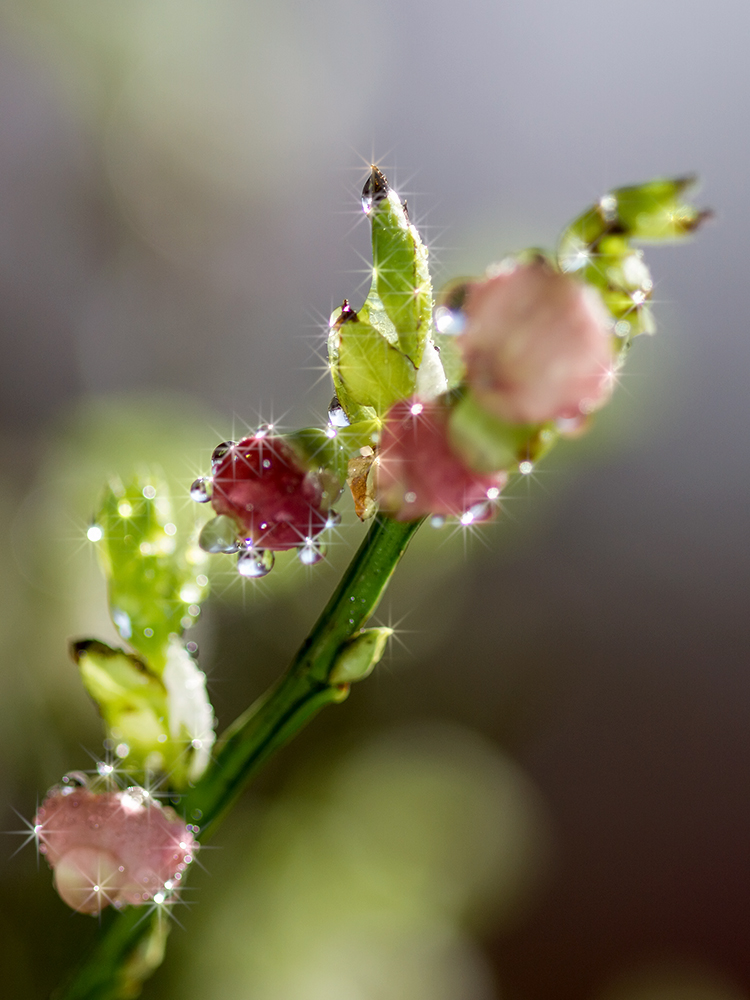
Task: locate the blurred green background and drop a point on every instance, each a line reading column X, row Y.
column 542, row 792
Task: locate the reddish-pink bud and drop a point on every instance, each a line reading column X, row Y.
column 262, row 485
column 418, row 473
column 112, row 847
column 537, row 345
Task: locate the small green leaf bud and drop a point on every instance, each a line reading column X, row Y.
column 359, row 656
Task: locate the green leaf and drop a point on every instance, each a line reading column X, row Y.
column 374, row 373
column 155, row 587
column 157, row 723
column 131, row 699
column 401, row 275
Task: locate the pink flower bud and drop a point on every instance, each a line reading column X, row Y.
column 112, row 847
column 418, row 473
column 260, row 483
column 537, row 345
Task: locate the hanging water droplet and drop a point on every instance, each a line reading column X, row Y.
column 255, row 563
column 333, row 519
column 375, row 189
column 437, row 521
column 526, row 468
column 220, row 451
column 199, row 490
column 310, row 553
column 94, row 533
column 76, row 779
column 476, row 513
column 263, row 430
column 337, row 414
column 219, row 535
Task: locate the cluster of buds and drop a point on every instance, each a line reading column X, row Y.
column 113, row 847
column 437, row 405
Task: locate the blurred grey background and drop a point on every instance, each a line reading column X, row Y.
column 569, row 767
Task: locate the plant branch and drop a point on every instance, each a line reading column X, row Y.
column 248, row 743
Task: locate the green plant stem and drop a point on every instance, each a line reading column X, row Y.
column 250, row 741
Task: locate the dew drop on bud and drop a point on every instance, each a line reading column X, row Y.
column 375, row 189
column 310, row 553
column 255, row 563
column 525, row 468
column 437, row 521
column 220, row 451
column 219, row 535
column 333, row 519
column 476, row 513
column 199, row 490
column 336, row 413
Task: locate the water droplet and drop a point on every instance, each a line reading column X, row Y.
column 310, row 553
column 476, row 513
column 266, row 463
column 103, row 768
column 375, row 189
column 148, row 632
column 219, row 535
column 192, row 648
column 333, row 519
column 337, row 413
column 220, row 451
column 416, row 409
column 199, row 490
column 264, row 430
column 622, row 328
column 608, row 207
column 122, row 750
column 149, row 492
column 124, row 509
column 525, row 468
column 76, row 778
column 450, row 322
column 493, row 493
column 410, row 497
column 95, row 533
column 255, row 563
column 437, row 521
